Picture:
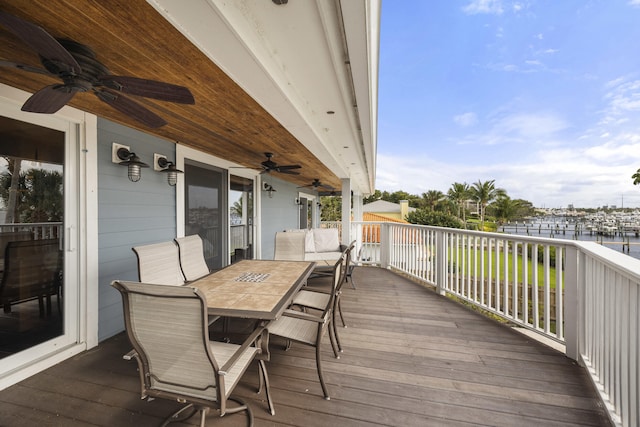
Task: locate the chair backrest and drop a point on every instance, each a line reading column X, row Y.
column 168, row 328
column 289, row 246
column 159, row 263
column 192, row 259
column 31, row 268
column 12, row 236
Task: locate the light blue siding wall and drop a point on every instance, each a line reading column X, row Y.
column 129, row 214
column 278, row 213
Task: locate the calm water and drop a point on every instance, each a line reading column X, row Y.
column 560, row 229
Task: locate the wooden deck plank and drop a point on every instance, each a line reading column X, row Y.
column 411, row 358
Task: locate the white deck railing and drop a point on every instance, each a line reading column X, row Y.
column 40, row 230
column 580, row 294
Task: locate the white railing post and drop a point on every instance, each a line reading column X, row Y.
column 385, row 244
column 572, row 302
column 441, row 262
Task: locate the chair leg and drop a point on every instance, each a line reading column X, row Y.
column 319, row 366
column 332, row 338
column 350, row 276
column 340, row 311
column 335, row 330
column 179, row 416
column 263, row 369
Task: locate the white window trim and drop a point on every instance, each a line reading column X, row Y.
column 183, row 152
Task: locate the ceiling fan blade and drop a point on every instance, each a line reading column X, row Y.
column 24, row 67
column 41, row 41
column 290, row 172
column 148, row 89
column 48, row 100
column 288, row 167
column 131, row 108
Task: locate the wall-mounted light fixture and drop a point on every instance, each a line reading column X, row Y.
column 162, row 164
column 297, row 201
column 122, row 155
column 269, row 189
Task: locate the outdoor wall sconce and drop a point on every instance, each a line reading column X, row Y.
column 162, row 164
column 122, row 155
column 269, row 189
column 297, row 201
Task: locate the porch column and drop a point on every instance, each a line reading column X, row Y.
column 346, row 211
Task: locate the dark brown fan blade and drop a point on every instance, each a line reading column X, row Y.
column 39, row 40
column 24, row 67
column 148, row 89
column 48, row 100
column 287, row 167
column 131, row 108
column 287, row 171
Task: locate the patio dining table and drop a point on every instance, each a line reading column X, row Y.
column 253, row 289
column 259, row 290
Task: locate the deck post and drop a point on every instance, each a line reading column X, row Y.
column 572, row 305
column 385, row 244
column 441, row 262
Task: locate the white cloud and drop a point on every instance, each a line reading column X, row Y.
column 475, row 7
column 635, row 3
column 466, row 119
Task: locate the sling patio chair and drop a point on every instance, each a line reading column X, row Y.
column 318, row 298
column 308, row 328
column 289, row 246
column 192, row 260
column 159, row 263
column 167, row 326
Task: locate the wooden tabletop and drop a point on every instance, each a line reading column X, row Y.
column 256, row 289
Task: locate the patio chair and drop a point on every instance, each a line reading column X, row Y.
column 289, row 246
column 308, row 328
column 192, row 260
column 167, row 326
column 159, row 263
column 318, row 298
column 352, row 264
column 32, row 270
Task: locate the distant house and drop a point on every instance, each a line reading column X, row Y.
column 382, row 211
column 389, row 210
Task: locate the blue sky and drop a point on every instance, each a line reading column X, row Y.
column 542, row 96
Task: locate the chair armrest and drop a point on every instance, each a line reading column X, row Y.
column 304, row 316
column 247, row 343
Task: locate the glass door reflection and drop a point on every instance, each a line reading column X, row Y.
column 31, row 218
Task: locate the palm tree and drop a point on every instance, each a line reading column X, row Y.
column 458, row 194
column 636, row 177
column 505, row 209
column 431, row 198
column 484, row 193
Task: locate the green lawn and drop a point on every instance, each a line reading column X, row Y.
column 500, row 274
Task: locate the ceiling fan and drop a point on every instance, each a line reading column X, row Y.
column 317, row 184
column 269, row 166
column 80, row 71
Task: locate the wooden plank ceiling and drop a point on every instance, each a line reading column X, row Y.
column 131, row 38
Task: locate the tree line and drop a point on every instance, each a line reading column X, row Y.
column 464, row 205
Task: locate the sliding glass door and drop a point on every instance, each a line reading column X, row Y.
column 38, row 286
column 205, row 209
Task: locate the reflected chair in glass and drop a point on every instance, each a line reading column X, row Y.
column 167, row 326
column 309, row 328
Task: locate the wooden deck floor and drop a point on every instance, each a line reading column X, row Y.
column 411, row 358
